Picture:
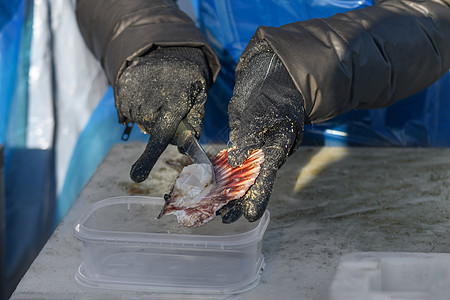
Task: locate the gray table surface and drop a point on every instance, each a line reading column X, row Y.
column 326, row 202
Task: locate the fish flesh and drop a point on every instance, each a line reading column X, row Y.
column 194, row 198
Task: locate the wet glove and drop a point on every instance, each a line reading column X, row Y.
column 265, row 112
column 157, row 91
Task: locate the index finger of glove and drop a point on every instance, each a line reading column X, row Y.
column 231, row 212
column 160, row 136
column 276, row 150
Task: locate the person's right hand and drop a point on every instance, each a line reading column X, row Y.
column 156, row 92
column 266, row 112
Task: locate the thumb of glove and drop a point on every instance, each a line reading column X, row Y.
column 156, row 145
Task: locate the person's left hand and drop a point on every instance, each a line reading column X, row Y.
column 265, row 112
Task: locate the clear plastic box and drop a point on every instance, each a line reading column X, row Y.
column 126, row 247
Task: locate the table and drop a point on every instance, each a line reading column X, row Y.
column 326, row 202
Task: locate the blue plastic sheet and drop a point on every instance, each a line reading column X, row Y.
column 229, row 24
column 100, row 134
column 27, row 200
column 11, row 18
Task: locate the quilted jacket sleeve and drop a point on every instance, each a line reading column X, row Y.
column 366, row 58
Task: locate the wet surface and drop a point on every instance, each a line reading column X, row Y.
column 135, row 188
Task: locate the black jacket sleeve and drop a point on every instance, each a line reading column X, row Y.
column 117, row 31
column 366, row 58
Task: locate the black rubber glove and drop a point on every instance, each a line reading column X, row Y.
column 156, row 92
column 266, row 112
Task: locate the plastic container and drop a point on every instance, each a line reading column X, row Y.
column 399, row 276
column 126, row 247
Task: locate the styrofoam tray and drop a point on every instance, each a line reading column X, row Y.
column 390, row 275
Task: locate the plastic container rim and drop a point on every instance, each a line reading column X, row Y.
column 197, row 241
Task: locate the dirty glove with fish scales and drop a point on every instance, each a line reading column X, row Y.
column 266, row 112
column 157, row 91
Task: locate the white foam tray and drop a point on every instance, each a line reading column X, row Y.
column 399, row 276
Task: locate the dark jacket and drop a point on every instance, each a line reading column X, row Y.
column 366, row 58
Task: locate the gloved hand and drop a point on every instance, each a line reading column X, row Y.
column 265, row 112
column 156, row 92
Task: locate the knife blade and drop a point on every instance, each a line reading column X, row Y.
column 187, row 143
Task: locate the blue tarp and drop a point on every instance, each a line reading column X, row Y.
column 11, row 19
column 21, row 214
column 100, row 134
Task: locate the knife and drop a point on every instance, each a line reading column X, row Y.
column 187, row 143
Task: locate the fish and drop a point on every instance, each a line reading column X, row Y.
column 194, row 198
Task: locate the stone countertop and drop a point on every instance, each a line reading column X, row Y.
column 326, row 202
